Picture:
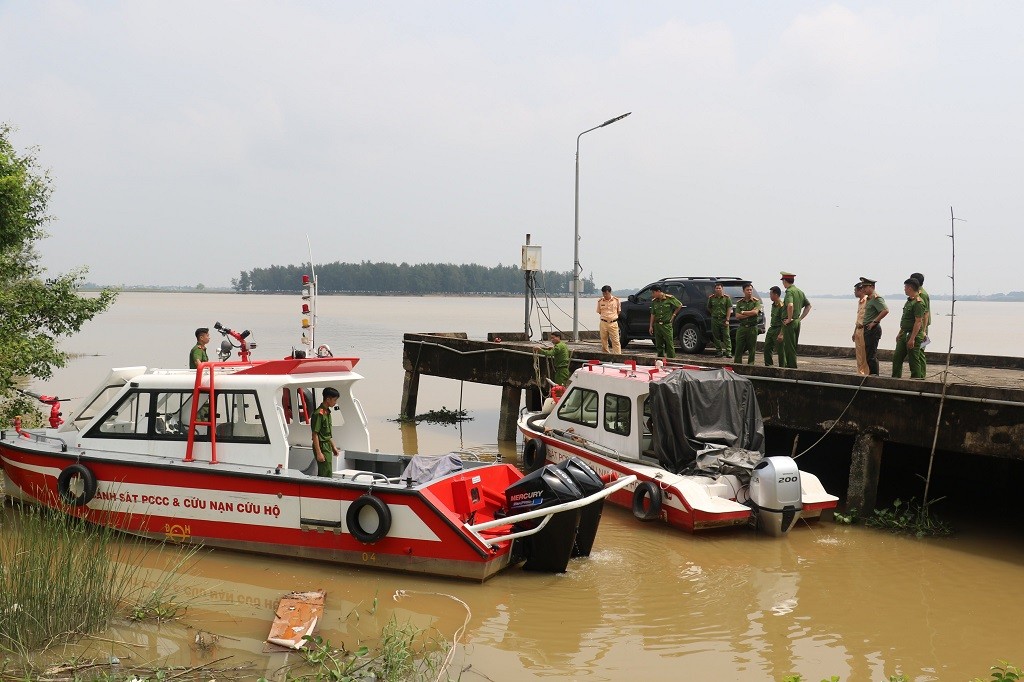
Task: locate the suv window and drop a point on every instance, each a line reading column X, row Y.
column 692, row 325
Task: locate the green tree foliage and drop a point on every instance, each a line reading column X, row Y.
column 35, row 311
column 389, row 278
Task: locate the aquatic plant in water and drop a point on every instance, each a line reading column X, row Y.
column 442, row 416
column 908, row 517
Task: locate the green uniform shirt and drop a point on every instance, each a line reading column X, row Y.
column 797, row 298
column 662, row 310
column 560, row 353
column 927, row 300
column 873, row 308
column 912, row 309
column 742, row 306
column 778, row 312
column 718, row 306
column 322, row 426
column 197, row 355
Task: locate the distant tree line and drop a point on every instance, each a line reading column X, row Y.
column 425, row 278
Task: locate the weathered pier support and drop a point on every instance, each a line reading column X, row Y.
column 510, row 397
column 865, row 467
column 410, row 394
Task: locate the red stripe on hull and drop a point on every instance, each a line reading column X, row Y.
column 454, row 553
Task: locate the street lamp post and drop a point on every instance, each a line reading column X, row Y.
column 576, row 241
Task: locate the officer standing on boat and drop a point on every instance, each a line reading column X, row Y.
column 323, row 439
column 198, row 352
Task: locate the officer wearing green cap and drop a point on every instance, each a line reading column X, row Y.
column 664, row 308
column 720, row 310
column 796, row 307
column 908, row 341
column 747, row 309
column 323, row 438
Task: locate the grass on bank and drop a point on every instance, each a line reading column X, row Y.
column 61, row 578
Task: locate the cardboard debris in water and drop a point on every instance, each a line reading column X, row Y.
column 296, row 616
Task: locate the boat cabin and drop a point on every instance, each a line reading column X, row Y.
column 256, row 414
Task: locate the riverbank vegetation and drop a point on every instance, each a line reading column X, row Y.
column 63, row 579
column 391, row 278
column 39, row 308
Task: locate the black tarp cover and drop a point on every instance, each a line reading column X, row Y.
column 690, row 409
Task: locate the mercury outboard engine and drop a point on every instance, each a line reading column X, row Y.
column 590, row 516
column 775, row 494
column 548, row 550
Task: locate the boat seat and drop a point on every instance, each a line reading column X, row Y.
column 302, row 459
column 423, row 468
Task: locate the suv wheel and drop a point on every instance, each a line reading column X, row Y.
column 689, row 339
column 623, row 336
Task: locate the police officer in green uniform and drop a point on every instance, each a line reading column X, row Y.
column 771, row 337
column 875, row 311
column 198, row 352
column 796, row 307
column 927, row 300
column 560, row 355
column 908, row 341
column 747, row 309
column 720, row 309
column 664, row 308
column 323, row 439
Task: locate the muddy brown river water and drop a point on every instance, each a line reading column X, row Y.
column 649, row 603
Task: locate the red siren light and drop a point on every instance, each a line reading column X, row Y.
column 305, row 308
column 305, row 279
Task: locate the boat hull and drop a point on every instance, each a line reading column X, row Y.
column 267, row 512
column 676, row 510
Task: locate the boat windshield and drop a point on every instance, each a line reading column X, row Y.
column 96, row 405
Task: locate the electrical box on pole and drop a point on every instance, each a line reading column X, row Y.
column 531, row 257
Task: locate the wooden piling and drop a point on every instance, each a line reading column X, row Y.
column 509, row 414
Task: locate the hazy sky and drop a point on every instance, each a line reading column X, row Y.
column 191, row 140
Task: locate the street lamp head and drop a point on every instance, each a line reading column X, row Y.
column 613, row 120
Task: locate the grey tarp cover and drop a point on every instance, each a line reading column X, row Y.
column 692, row 409
column 423, row 468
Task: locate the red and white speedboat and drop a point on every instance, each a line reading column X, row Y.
column 692, row 436
column 222, row 455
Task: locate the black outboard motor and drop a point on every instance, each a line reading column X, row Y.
column 775, row 494
column 590, row 516
column 548, row 550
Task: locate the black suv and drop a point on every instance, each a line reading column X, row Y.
column 692, row 326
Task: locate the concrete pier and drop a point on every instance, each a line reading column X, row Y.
column 982, row 414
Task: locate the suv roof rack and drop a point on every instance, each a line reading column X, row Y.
column 710, row 278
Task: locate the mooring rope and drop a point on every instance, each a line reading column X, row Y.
column 401, row 594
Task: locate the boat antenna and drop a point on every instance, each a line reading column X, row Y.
column 309, row 305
